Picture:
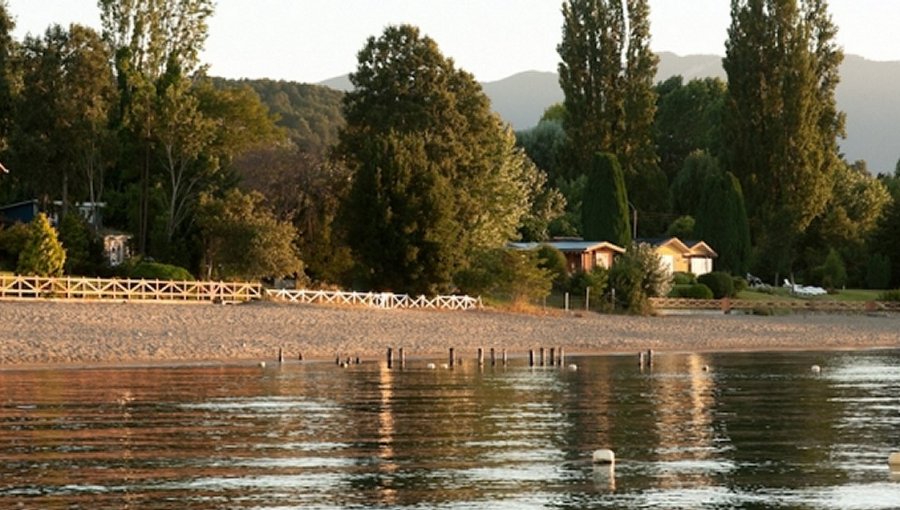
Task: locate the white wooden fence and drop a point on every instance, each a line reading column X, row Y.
column 375, row 299
column 100, row 289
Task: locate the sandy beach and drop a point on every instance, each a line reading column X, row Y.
column 40, row 333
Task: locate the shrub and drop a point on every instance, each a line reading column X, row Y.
column 890, row 295
column 698, row 291
column 878, row 271
column 596, row 280
column 12, row 241
column 158, row 271
column 554, row 261
column 740, row 285
column 834, row 273
column 505, row 273
column 719, row 283
column 681, row 278
column 42, row 255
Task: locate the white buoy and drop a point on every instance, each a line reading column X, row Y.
column 604, row 457
column 573, row 367
column 894, row 461
column 430, row 366
column 262, row 364
column 445, row 366
column 815, row 369
column 706, row 368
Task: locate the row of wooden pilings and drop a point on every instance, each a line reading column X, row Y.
column 555, row 356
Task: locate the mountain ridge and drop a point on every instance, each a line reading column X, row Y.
column 866, row 95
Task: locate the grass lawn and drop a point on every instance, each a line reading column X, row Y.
column 782, row 294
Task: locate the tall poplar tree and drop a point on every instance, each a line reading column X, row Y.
column 606, row 75
column 781, row 120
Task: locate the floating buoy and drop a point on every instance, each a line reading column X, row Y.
column 815, row 369
column 894, row 461
column 573, row 367
column 706, row 368
column 445, row 366
column 430, row 366
column 604, row 457
column 262, row 364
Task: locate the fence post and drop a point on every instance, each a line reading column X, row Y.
column 587, row 299
column 567, row 301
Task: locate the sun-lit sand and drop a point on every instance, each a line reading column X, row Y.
column 36, row 333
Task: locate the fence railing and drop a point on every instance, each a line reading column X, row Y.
column 24, row 287
column 101, row 289
column 374, row 299
column 811, row 305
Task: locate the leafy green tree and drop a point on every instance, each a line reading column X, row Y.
column 12, row 242
column 722, row 222
column 63, row 136
column 857, row 202
column 604, row 213
column 544, row 144
column 156, row 44
column 688, row 119
column 886, row 240
column 311, row 114
column 307, row 190
column 781, row 121
column 690, row 182
column 242, row 240
column 683, row 228
column 606, row 75
column 83, row 252
column 42, row 255
column 7, row 77
column 878, row 272
column 436, row 174
column 719, row 282
column 547, row 203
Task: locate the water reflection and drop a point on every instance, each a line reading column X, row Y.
column 754, row 431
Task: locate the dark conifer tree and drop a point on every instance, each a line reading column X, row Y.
column 604, row 213
column 721, row 222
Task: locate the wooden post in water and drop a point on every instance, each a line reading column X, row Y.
column 390, row 358
column 650, row 357
column 641, row 359
column 505, row 360
column 452, row 358
column 552, row 357
column 281, row 355
column 300, row 357
column 402, row 358
column 530, row 357
column 562, row 357
column 481, row 356
column 541, row 353
column 493, row 358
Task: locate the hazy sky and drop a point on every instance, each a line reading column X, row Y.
column 313, row 40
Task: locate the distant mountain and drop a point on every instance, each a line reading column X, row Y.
column 867, row 94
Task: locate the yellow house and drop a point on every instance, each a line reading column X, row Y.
column 677, row 257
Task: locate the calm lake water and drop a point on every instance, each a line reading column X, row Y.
column 757, row 430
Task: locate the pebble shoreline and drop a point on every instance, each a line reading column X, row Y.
column 67, row 333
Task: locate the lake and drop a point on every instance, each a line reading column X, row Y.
column 735, row 430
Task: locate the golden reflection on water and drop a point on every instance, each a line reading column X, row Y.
column 684, row 398
column 386, row 495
